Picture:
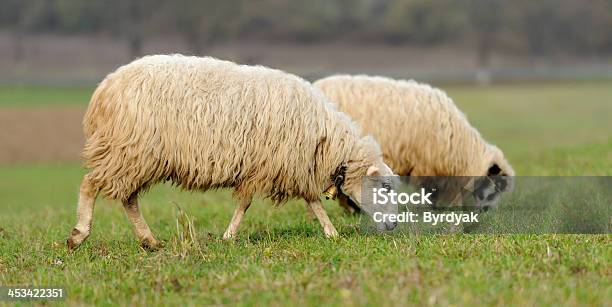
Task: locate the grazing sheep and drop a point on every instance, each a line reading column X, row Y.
column 421, row 133
column 204, row 123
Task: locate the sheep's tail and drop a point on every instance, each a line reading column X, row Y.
column 96, row 111
column 95, row 122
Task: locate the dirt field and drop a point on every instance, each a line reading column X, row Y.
column 46, row 134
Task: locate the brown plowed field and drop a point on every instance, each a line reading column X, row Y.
column 40, row 134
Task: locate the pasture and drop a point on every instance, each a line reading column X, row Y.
column 280, row 254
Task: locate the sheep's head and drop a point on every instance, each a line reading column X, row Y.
column 497, row 179
column 378, row 176
column 480, row 189
column 365, row 170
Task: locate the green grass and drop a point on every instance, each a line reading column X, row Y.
column 281, row 256
column 578, row 160
column 524, row 119
column 29, row 95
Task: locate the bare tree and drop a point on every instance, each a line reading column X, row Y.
column 14, row 22
column 134, row 14
column 485, row 20
column 203, row 23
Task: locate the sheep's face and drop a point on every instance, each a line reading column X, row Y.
column 378, row 176
column 499, row 178
column 480, row 192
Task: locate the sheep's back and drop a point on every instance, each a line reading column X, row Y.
column 203, row 123
column 419, row 128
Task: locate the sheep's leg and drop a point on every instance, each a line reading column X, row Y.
column 144, row 234
column 347, row 204
column 319, row 211
column 243, row 205
column 85, row 208
column 309, row 213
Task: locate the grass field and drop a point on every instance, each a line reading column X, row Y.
column 281, row 256
column 33, row 96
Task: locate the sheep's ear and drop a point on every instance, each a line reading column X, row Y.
column 373, row 171
column 494, row 170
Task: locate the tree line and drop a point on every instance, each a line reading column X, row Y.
column 523, row 26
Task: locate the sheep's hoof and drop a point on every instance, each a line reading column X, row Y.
column 75, row 239
column 332, row 233
column 151, row 244
column 71, row 245
column 228, row 236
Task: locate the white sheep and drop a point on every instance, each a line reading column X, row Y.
column 421, row 132
column 204, row 123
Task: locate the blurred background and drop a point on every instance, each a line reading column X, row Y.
column 76, row 41
column 532, row 76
